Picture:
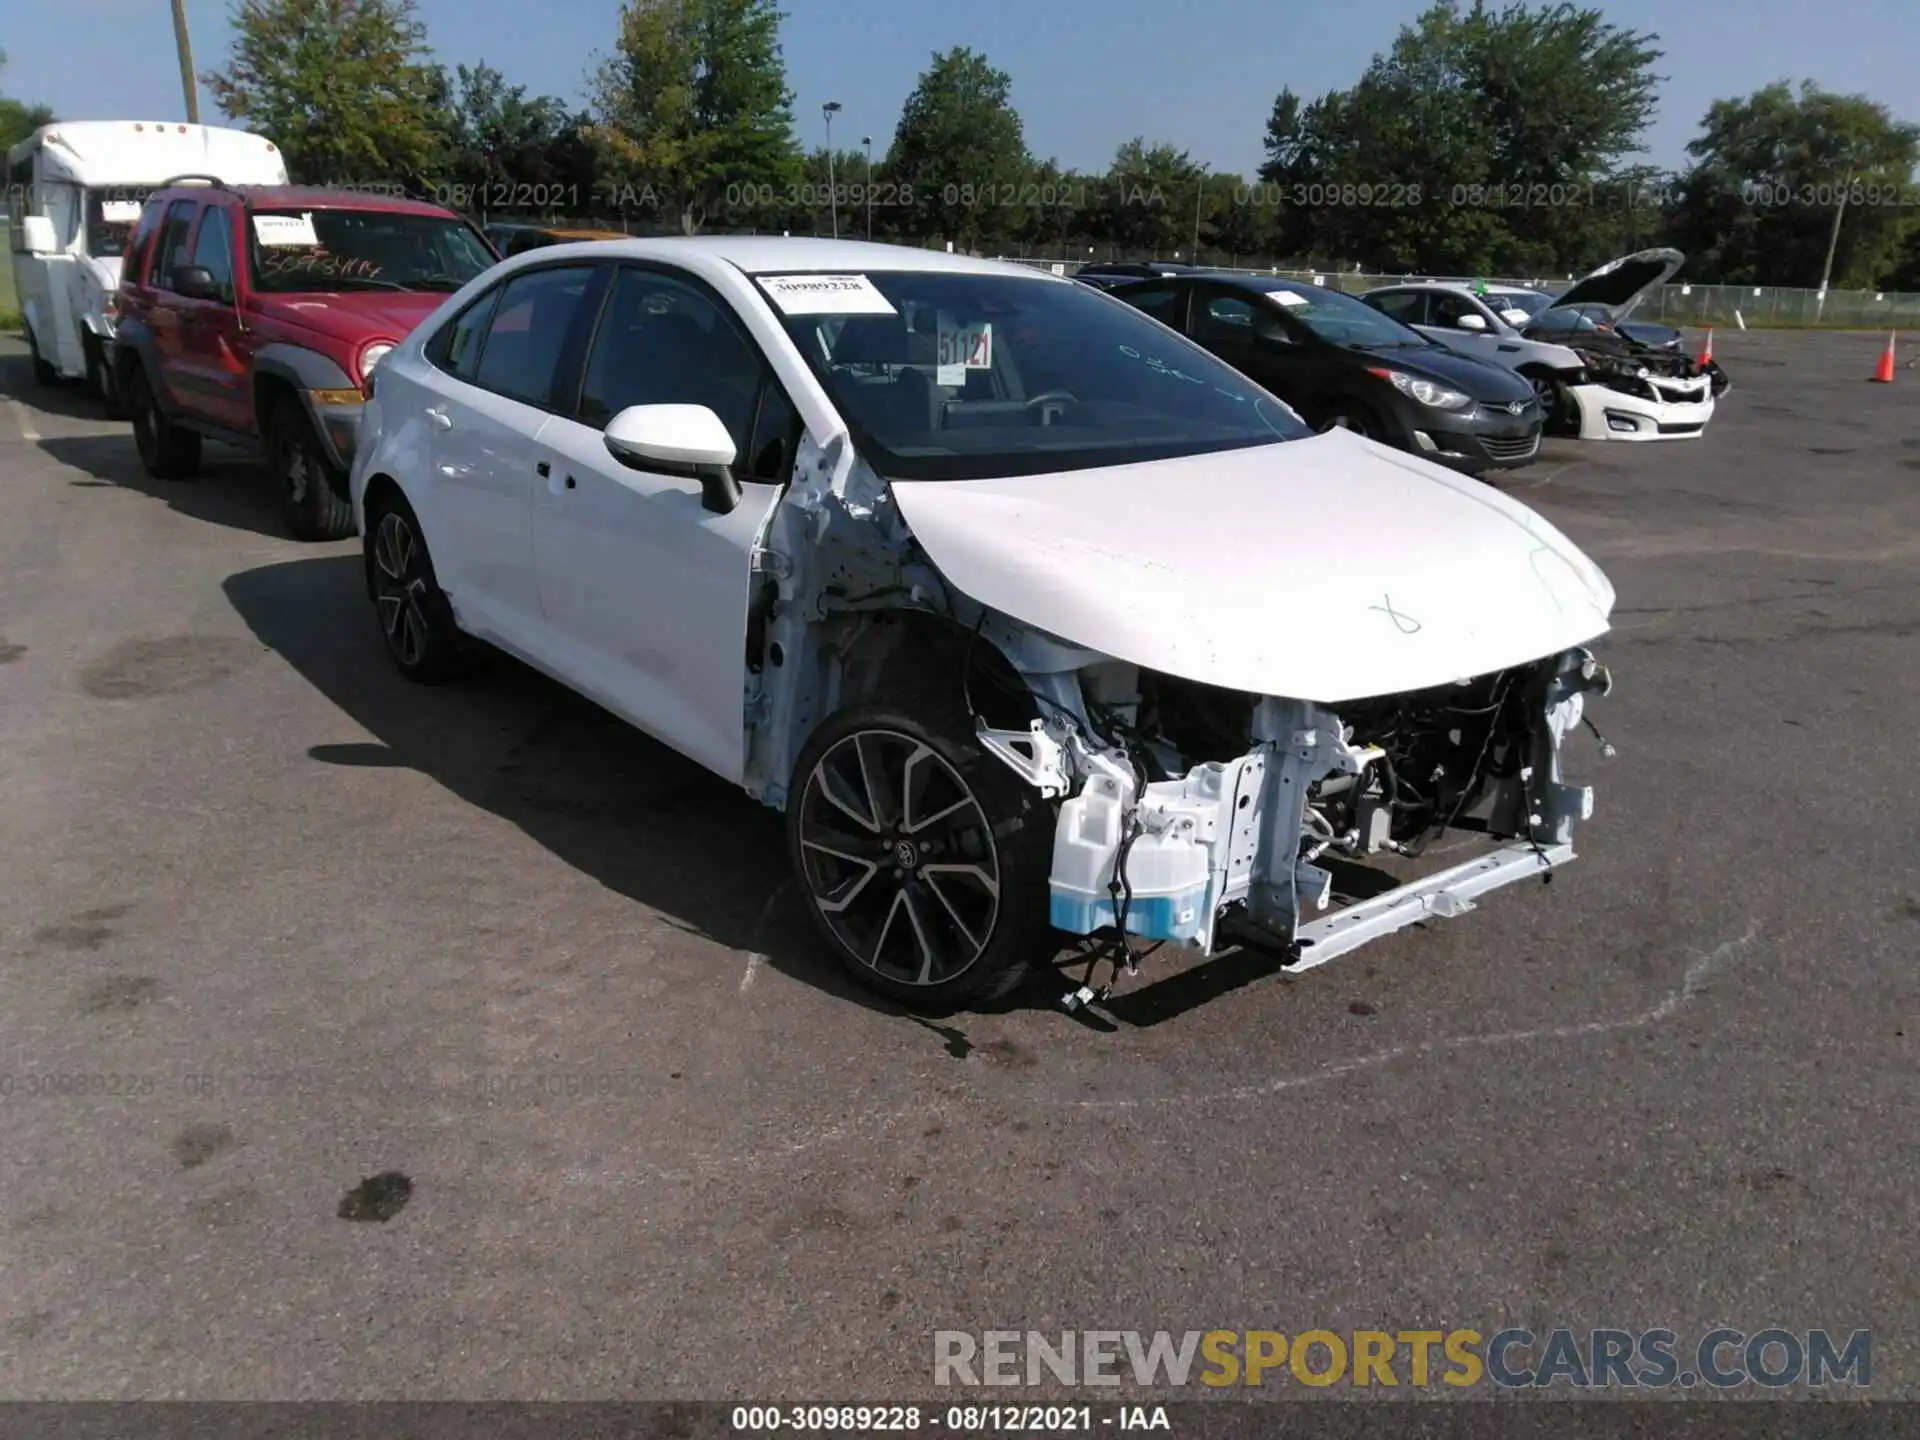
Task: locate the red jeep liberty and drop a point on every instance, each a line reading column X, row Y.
column 252, row 315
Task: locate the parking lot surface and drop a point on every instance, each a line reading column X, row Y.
column 273, row 921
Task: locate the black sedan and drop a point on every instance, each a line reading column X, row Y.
column 1342, row 364
column 1105, row 274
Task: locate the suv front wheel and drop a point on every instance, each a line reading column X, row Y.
column 166, row 450
column 316, row 510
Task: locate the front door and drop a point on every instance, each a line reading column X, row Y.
column 645, row 589
column 1250, row 335
column 210, row 362
column 165, row 320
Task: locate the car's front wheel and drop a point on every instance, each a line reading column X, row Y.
column 309, row 483
column 1346, row 415
column 924, row 859
column 168, row 451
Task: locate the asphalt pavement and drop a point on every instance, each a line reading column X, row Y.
column 273, row 922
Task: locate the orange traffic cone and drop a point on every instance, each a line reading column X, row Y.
column 1883, row 372
column 1706, row 355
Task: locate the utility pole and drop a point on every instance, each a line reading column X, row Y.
column 833, row 201
column 1833, row 243
column 187, row 82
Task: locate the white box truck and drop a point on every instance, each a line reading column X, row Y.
column 74, row 193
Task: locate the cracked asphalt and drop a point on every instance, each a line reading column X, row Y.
column 366, row 1041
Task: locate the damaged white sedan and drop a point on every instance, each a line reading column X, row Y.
column 1030, row 615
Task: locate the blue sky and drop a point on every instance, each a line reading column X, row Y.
column 1087, row 74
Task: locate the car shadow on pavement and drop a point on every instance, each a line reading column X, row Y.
column 66, row 398
column 232, row 489
column 606, row 799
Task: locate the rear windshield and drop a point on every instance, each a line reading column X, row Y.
column 952, row 376
column 324, row 250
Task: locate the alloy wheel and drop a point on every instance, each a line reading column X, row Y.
column 899, row 857
column 398, row 589
column 296, row 467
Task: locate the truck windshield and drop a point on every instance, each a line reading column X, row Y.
column 950, row 375
column 112, row 214
column 296, row 251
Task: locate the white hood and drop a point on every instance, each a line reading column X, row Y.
column 1324, row 569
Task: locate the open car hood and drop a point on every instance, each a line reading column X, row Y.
column 1620, row 284
column 1324, row 569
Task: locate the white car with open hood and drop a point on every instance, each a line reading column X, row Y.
column 75, row 190
column 1029, row 614
column 1598, row 377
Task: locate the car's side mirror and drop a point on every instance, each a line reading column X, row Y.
column 681, row 440
column 1470, row 321
column 194, row 282
column 36, row 235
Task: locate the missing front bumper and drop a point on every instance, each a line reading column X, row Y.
column 1226, row 853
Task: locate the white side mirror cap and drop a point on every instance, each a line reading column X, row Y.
column 36, row 235
column 670, row 435
column 1471, row 321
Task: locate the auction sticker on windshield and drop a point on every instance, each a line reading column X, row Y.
column 826, row 295
column 285, row 229
column 963, row 348
column 120, row 212
column 1287, row 298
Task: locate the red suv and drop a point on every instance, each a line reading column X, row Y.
column 252, row 314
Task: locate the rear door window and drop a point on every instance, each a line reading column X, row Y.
column 1409, row 307
column 528, row 333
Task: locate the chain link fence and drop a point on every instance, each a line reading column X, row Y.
column 1673, row 304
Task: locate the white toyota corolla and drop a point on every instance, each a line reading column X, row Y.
column 1031, row 616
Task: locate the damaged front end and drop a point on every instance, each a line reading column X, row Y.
column 1160, row 842
column 1636, row 392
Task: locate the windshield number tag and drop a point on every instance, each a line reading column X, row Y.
column 284, row 230
column 962, row 348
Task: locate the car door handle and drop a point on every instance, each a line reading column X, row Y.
column 441, row 420
column 543, row 469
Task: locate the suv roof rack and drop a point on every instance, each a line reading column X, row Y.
column 214, row 180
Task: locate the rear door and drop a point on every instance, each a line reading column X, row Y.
column 647, row 590
column 501, row 358
column 167, row 309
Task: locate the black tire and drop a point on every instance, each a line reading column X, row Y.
column 43, row 371
column 1351, row 415
column 415, row 619
column 1556, row 403
column 864, row 859
column 100, row 376
column 315, row 509
column 168, row 451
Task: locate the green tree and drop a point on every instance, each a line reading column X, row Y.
column 1758, row 204
column 961, row 149
column 1147, row 199
column 18, row 120
column 693, row 106
column 343, row 87
column 507, row 151
column 1481, row 139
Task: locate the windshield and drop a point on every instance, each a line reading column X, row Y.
column 307, row 250
column 1530, row 301
column 112, row 214
column 951, row 376
column 1344, row 320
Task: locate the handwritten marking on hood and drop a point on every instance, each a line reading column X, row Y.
column 1405, row 624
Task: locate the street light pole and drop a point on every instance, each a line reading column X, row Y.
column 867, row 140
column 1199, row 193
column 833, row 202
